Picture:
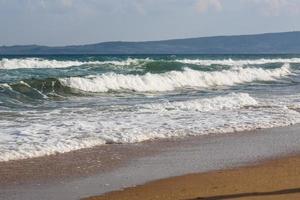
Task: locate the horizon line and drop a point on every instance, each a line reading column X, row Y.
column 145, row 41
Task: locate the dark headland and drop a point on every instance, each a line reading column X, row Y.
column 268, row 43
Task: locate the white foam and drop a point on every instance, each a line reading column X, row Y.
column 232, row 62
column 39, row 133
column 174, row 79
column 231, row 101
column 5, row 85
column 18, row 63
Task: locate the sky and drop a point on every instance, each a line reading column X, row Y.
column 71, row 22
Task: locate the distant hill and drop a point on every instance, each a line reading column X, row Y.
column 268, row 43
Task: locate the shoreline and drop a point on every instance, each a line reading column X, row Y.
column 122, row 166
column 274, row 179
column 89, row 161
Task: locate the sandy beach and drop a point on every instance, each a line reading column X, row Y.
column 101, row 170
column 276, row 179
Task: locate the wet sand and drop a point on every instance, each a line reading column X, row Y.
column 95, row 171
column 69, row 166
column 274, row 180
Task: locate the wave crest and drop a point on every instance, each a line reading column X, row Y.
column 173, row 80
column 28, row 63
column 231, row 62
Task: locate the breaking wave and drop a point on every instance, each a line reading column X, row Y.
column 27, row 63
column 173, row 80
column 232, row 62
column 108, row 99
column 44, row 63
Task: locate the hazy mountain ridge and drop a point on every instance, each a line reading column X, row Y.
column 268, row 43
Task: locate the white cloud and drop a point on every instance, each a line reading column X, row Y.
column 205, row 5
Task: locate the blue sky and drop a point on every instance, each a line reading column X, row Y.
column 63, row 22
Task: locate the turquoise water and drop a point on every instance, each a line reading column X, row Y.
column 51, row 104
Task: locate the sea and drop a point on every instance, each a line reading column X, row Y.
column 61, row 103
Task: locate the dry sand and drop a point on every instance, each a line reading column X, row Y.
column 277, row 179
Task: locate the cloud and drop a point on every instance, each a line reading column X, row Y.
column 277, row 7
column 205, row 5
column 67, row 3
column 47, row 3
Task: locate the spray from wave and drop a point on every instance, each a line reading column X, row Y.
column 173, row 80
